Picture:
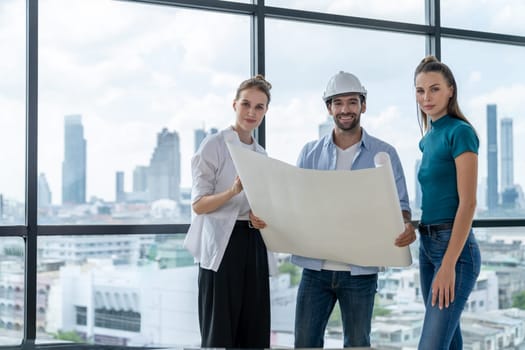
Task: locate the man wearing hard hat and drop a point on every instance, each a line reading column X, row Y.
column 347, row 147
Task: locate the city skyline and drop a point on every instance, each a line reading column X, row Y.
column 164, row 170
column 168, row 185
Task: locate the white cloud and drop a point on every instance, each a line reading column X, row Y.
column 485, row 15
column 508, row 17
column 12, row 144
column 383, row 9
column 509, row 98
column 474, row 77
column 406, row 10
column 131, row 69
column 292, row 123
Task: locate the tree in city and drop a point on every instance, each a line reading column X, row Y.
column 518, row 300
column 14, row 250
column 71, row 336
column 294, row 271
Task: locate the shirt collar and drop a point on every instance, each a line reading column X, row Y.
column 364, row 143
column 441, row 121
column 230, row 135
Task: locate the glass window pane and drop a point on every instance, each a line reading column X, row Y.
column 297, row 112
column 503, row 16
column 403, row 11
column 500, row 286
column 12, row 268
column 384, row 62
column 132, row 290
column 117, row 292
column 122, row 92
column 491, row 96
column 12, row 112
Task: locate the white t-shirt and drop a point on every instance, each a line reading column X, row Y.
column 344, row 161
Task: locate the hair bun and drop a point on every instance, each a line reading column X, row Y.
column 429, row 59
column 261, row 77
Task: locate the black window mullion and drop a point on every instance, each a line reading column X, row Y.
column 258, row 57
column 433, row 18
column 31, row 170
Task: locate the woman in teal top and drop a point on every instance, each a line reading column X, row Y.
column 449, row 257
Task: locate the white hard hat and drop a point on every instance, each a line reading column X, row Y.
column 343, row 83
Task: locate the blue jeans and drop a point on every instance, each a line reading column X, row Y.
column 441, row 329
column 316, row 297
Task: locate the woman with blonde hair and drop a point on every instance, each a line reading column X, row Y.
column 224, row 237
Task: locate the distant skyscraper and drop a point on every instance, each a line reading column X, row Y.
column 481, row 192
column 74, row 164
column 326, row 127
column 200, row 134
column 44, row 193
column 419, row 194
column 492, row 157
column 140, row 178
column 507, row 154
column 509, row 193
column 120, row 195
column 164, row 168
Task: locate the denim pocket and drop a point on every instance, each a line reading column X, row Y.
column 435, row 244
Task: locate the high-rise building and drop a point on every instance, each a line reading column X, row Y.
column 509, row 193
column 507, row 154
column 164, row 168
column 140, row 178
column 74, row 164
column 200, row 134
column 120, row 195
column 44, row 193
column 492, row 157
column 419, row 194
column 326, row 127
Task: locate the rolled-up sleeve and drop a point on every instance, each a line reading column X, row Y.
column 399, row 176
column 204, row 170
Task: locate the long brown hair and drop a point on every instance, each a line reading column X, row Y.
column 257, row 82
column 432, row 64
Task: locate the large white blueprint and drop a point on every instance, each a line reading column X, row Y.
column 346, row 216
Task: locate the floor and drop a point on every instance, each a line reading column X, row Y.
column 31, row 346
column 73, row 347
column 93, row 347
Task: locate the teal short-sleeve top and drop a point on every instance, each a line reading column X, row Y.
column 447, row 138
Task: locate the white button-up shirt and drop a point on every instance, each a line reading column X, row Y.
column 213, row 172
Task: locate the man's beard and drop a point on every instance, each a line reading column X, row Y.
column 346, row 126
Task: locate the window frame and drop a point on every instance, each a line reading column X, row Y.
column 432, row 30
